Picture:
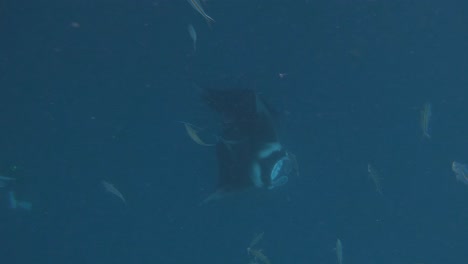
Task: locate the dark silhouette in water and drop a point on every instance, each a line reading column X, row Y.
column 248, row 149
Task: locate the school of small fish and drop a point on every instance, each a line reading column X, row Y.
column 258, row 257
column 255, row 255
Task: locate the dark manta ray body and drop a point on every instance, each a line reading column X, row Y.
column 248, row 150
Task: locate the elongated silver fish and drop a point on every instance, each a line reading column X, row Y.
column 197, row 6
column 461, row 171
column 339, row 251
column 426, row 113
column 193, row 35
column 110, row 188
column 375, row 177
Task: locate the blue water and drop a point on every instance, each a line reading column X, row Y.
column 95, row 90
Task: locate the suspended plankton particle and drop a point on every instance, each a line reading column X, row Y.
column 197, row 6
column 193, row 134
column 111, row 188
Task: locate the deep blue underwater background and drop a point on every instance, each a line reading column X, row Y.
column 95, row 90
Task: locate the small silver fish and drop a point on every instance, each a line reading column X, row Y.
column 339, row 251
column 461, row 171
column 197, row 6
column 193, row 35
column 375, row 177
column 193, row 134
column 110, row 188
column 426, row 114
